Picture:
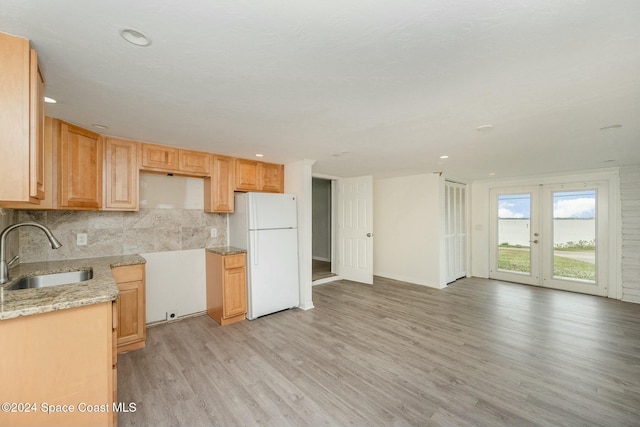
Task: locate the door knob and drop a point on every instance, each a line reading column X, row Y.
column 368, row 234
column 533, row 241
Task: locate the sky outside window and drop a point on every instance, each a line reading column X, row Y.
column 566, row 204
column 574, row 204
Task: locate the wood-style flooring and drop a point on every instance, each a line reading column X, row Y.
column 478, row 353
column 320, row 270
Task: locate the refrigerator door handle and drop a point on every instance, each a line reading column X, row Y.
column 254, row 249
column 254, row 214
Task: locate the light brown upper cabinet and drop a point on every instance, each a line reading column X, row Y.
column 121, row 175
column 271, row 177
column 21, row 122
column 79, row 168
column 247, row 175
column 194, row 162
column 218, row 188
column 161, row 158
column 258, row 176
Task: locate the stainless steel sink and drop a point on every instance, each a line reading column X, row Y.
column 55, row 279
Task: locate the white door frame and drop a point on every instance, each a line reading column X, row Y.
column 334, row 216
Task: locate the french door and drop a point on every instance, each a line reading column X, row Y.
column 551, row 235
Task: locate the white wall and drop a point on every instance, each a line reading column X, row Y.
column 297, row 180
column 166, row 192
column 630, row 247
column 408, row 229
column 176, row 282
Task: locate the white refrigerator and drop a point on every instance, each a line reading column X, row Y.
column 266, row 225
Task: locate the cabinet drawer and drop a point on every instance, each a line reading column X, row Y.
column 130, row 273
column 234, row 261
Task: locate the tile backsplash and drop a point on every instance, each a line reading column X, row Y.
column 119, row 233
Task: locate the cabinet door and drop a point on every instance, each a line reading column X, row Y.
column 21, row 152
column 271, row 178
column 121, row 175
column 79, row 168
column 246, row 175
column 235, row 292
column 131, row 324
column 218, row 190
column 60, row 357
column 156, row 157
column 36, row 130
column 194, row 162
column 130, row 319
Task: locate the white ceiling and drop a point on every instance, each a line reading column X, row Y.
column 361, row 86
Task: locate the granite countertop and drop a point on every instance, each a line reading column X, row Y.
column 226, row 250
column 101, row 288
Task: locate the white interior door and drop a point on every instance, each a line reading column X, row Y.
column 355, row 229
column 455, row 230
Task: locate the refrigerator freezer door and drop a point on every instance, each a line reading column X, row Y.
column 273, row 283
column 268, row 211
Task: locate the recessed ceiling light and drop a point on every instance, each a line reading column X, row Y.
column 484, row 127
column 444, row 157
column 135, row 37
column 492, row 173
column 49, row 100
column 611, row 127
column 259, row 155
column 101, row 127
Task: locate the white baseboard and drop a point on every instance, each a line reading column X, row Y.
column 319, row 258
column 409, row 280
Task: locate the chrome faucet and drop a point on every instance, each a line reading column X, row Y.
column 4, row 266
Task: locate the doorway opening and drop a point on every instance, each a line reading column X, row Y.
column 322, row 265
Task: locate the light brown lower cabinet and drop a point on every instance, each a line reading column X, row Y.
column 131, row 329
column 57, row 368
column 226, row 287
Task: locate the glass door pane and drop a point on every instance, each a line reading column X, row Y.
column 515, row 235
column 575, row 255
column 574, row 235
column 514, row 230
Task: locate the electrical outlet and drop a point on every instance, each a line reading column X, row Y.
column 172, row 315
column 214, row 232
column 81, row 239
